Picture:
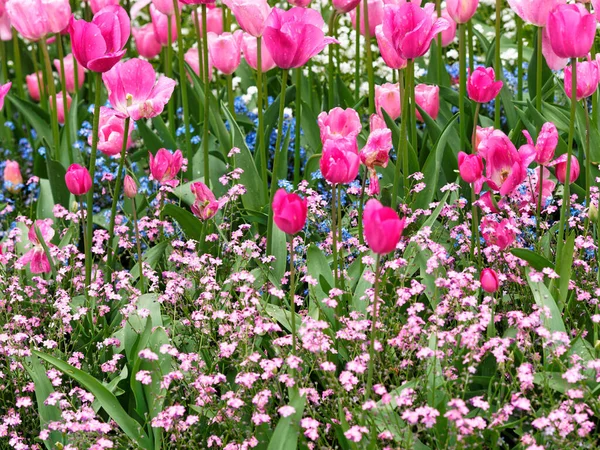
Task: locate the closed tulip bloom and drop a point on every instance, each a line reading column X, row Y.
column 294, row 36
column 411, row 28
column 552, row 59
column 461, row 11
column 98, row 45
column 387, row 50
column 146, row 42
column 470, row 168
column 110, row 132
column 387, row 97
column 97, row 5
column 249, row 47
column 78, row 179
column 192, row 58
column 29, row 18
column 340, row 161
column 339, row 123
column 13, row 180
column 133, row 90
column 560, row 168
column 36, row 257
column 129, row 187
column 58, row 13
column 489, row 281
column 535, row 12
column 160, row 22
column 449, row 34
column 33, row 85
column 289, row 212
column 482, row 86
column 198, row 2
column 375, row 16
column 251, row 14
column 4, row 88
column 69, row 64
column 428, row 98
column 214, row 20
column 383, row 228
column 546, row 144
column 376, row 151
column 5, row 25
column 225, row 51
column 376, row 123
column 165, row 6
column 505, row 168
column 345, row 6
column 60, row 106
column 501, row 234
column 205, row 204
column 300, row 3
column 164, row 166
column 571, row 29
column 588, row 77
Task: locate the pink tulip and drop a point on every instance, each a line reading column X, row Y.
column 339, row 124
column 375, row 15
column 98, row 45
column 388, row 52
column 160, row 22
column 470, row 168
column 383, row 228
column 535, row 12
column 29, row 18
column 345, row 6
column 165, row 165
column 461, row 11
column 5, row 25
column 130, row 187
column 571, row 29
column 165, row 6
column 225, row 51
column 13, row 180
column 289, row 212
column 428, row 98
column 4, row 88
column 300, row 3
column 552, row 59
column 449, row 34
column 376, row 151
column 249, row 46
column 546, row 143
column 489, row 281
column 192, row 58
column 198, row 2
column 488, row 203
column 481, row 134
column 251, row 15
column 36, row 257
column 596, row 5
column 33, row 85
column 505, row 168
column 133, row 91
column 146, row 42
column 502, row 233
column 547, row 186
column 387, row 97
column 60, row 106
column 376, row 123
column 588, row 77
column 69, row 64
column 295, row 36
column 205, row 205
column 411, row 28
column 110, row 132
column 97, row 5
column 560, row 168
column 482, row 86
column 214, row 20
column 78, row 180
column 340, row 161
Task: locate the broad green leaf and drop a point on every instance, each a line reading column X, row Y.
column 35, row 116
column 544, row 299
column 287, row 430
column 189, row 223
column 538, row 262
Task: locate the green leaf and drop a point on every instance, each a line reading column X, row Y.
column 189, row 223
column 164, row 133
column 544, row 299
column 287, row 430
column 109, row 402
column 151, row 257
column 538, row 262
column 151, row 140
column 310, row 128
column 35, row 116
column 318, row 266
column 45, row 202
column 60, row 192
column 564, row 269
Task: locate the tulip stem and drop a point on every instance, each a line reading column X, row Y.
column 42, row 242
column 206, row 96
column 474, row 213
column 334, row 232
column 538, row 72
column 440, row 58
column 402, row 155
column 470, row 45
column 332, row 31
column 116, row 196
column 260, row 138
column 298, row 127
column 588, row 165
column 373, row 330
column 361, row 208
column 82, row 211
column 63, row 82
column 199, row 39
column 169, row 73
column 519, row 58
column 369, row 57
column 462, row 78
column 92, row 170
column 498, row 61
column 292, row 290
column 230, row 97
column 138, row 243
column 340, row 240
column 538, row 211
column 17, row 65
column 357, row 58
column 565, row 209
column 52, row 94
column 274, row 173
column 184, row 97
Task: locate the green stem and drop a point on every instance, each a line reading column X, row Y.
column 92, row 170
column 63, row 82
column 474, row 211
column 298, row 139
column 498, row 61
column 206, row 97
column 183, row 87
column 41, row 240
column 470, row 46
column 538, row 74
column 341, row 241
column 292, row 292
column 199, row 39
column 116, row 196
column 334, row 246
column 538, row 210
column 588, row 165
column 261, row 123
column 139, row 244
column 169, row 73
column 402, row 156
column 519, row 58
column 361, row 207
column 331, row 69
column 52, row 94
column 17, row 66
column 370, row 74
column 357, row 57
column 230, row 97
column 462, row 77
column 373, row 331
column 440, row 56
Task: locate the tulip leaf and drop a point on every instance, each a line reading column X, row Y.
column 164, row 133
column 287, row 430
column 189, row 223
column 538, row 262
column 36, row 117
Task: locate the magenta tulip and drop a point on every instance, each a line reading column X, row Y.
column 295, row 36
column 146, row 42
column 501, row 234
column 461, row 11
column 560, row 168
column 300, row 3
column 449, row 34
column 4, row 88
column 571, row 29
column 506, row 169
column 345, row 6
column 198, row 2
column 428, row 99
column 388, row 52
column 36, row 257
column 339, row 124
column 98, row 45
column 225, row 51
column 289, row 212
column 134, row 92
column 375, row 15
column 68, row 63
column 552, row 59
column 13, row 180
column 588, row 77
column 78, row 180
column 340, row 161
column 110, row 132
column 387, row 97
column 205, row 204
column 482, row 86
column 383, row 228
column 376, row 152
column 164, row 166
column 97, row 5
column 546, row 143
column 535, row 12
column 470, row 168
column 251, row 14
column 249, row 47
column 489, row 281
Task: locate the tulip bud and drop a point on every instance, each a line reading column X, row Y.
column 571, row 29
column 489, row 281
column 382, row 226
column 206, row 205
column 165, row 165
column 593, row 213
column 560, row 164
column 470, row 167
column 33, row 85
column 289, row 212
column 482, row 86
column 13, row 180
column 130, row 187
column 340, row 161
column 428, row 99
column 387, row 97
column 461, row 11
column 78, row 180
